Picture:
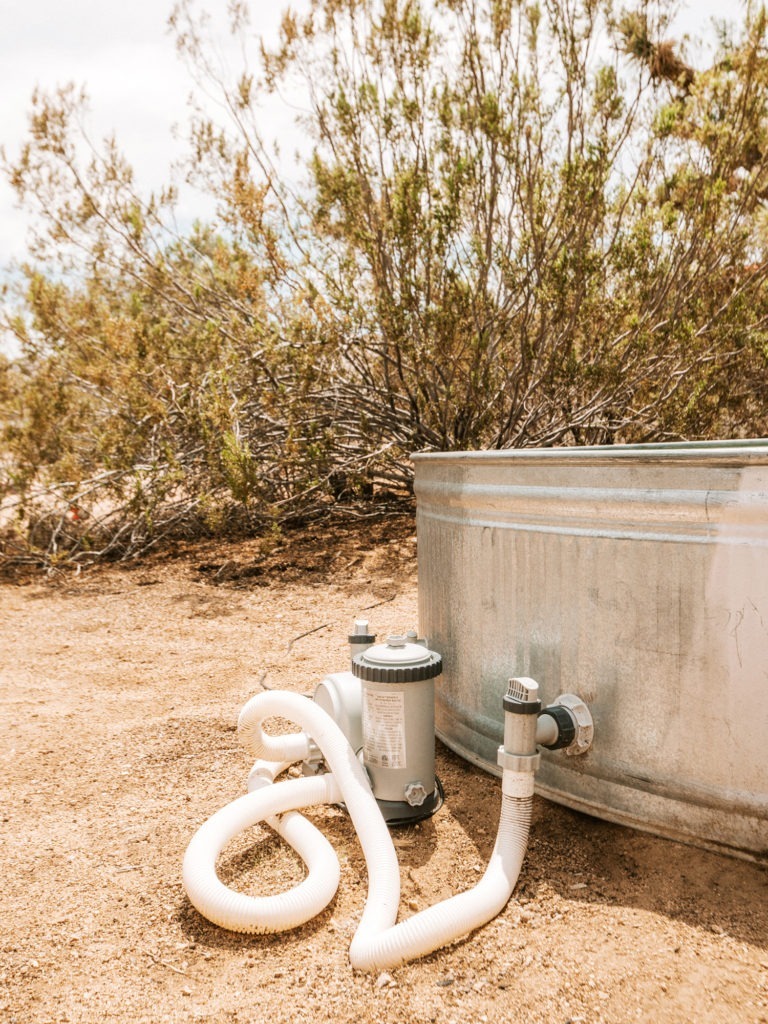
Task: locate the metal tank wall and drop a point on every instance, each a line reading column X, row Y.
column 633, row 576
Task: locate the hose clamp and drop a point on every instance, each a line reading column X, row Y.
column 518, row 762
column 582, row 720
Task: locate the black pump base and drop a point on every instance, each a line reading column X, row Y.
column 397, row 812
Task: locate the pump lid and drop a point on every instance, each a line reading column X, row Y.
column 397, row 661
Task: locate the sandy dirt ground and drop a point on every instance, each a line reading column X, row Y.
column 120, row 690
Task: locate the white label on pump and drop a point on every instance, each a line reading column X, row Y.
column 384, row 729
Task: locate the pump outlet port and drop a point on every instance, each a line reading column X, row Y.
column 566, row 725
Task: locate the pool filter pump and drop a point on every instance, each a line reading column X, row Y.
column 385, row 706
column 398, row 725
column 366, row 742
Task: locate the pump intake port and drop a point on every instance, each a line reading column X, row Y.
column 564, row 731
column 566, row 725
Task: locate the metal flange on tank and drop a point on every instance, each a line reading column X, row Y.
column 398, row 726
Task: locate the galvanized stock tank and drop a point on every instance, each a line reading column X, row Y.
column 633, row 576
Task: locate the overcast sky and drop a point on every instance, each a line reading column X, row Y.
column 120, row 51
column 124, row 55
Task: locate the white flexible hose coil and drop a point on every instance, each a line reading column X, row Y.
column 378, row 943
column 241, row 913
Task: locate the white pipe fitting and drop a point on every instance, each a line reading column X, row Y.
column 378, row 943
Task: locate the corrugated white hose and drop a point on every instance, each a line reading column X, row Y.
column 242, row 913
column 347, row 780
column 378, row 942
column 444, row 922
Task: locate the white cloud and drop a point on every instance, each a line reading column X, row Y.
column 125, row 57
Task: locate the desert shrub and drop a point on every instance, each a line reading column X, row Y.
column 515, row 224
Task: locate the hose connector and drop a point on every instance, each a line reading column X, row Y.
column 521, row 705
column 567, row 725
